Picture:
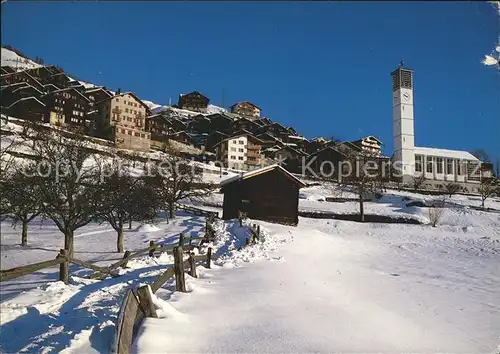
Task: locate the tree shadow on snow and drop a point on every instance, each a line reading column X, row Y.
column 54, row 331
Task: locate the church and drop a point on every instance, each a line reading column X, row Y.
column 438, row 166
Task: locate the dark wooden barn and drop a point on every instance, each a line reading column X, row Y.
column 270, row 194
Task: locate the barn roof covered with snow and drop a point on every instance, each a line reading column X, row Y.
column 260, row 171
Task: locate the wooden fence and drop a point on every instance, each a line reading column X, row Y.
column 63, row 259
column 138, row 304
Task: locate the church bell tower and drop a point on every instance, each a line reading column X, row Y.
column 402, row 121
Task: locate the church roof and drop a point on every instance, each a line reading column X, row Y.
column 452, row 154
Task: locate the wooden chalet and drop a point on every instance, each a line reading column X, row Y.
column 97, row 94
column 262, row 121
column 7, row 70
column 246, row 124
column 246, row 109
column 70, row 106
column 270, row 194
column 269, row 140
column 221, row 122
column 213, row 139
column 193, row 101
column 275, row 129
column 200, row 124
column 28, row 108
column 20, row 76
column 15, row 92
column 182, row 137
column 369, row 144
column 325, row 162
column 159, row 126
column 288, row 157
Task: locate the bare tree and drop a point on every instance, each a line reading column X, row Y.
column 418, row 181
column 176, row 179
column 451, row 188
column 481, row 154
column 488, row 188
column 366, row 173
column 68, row 180
column 435, row 213
column 21, row 199
column 118, row 198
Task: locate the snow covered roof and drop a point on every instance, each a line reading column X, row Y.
column 453, row 154
column 259, row 171
column 27, row 98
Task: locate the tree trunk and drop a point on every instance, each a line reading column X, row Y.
column 130, row 223
column 68, row 243
column 171, row 210
column 119, row 241
column 361, row 209
column 482, row 203
column 24, row 234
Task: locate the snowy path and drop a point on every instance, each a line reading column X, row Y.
column 361, row 291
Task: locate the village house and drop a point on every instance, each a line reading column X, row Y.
column 370, row 145
column 7, row 70
column 246, row 109
column 159, row 126
column 122, row 118
column 246, row 124
column 14, row 92
column 68, row 106
column 20, row 76
column 262, row 121
column 275, row 129
column 28, row 108
column 269, row 141
column 213, row 139
column 96, row 94
column 270, row 193
column 325, row 163
column 221, row 122
column 286, row 156
column 240, row 152
column 200, row 124
column 182, row 137
column 193, row 101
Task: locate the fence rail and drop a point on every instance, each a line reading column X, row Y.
column 63, row 259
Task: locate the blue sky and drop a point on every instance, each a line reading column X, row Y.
column 323, row 68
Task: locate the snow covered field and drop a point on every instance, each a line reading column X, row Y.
column 336, row 286
column 324, row 286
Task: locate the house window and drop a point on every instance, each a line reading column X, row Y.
column 240, row 157
column 459, row 168
column 439, row 163
column 233, row 149
column 126, row 110
column 234, row 141
column 449, row 166
column 418, row 163
column 429, row 164
column 240, row 150
column 241, row 142
column 233, row 157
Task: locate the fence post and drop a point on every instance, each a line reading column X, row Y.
column 181, row 239
column 125, row 255
column 152, row 250
column 146, row 301
column 192, row 266
column 258, row 232
column 63, row 267
column 180, row 281
column 209, row 257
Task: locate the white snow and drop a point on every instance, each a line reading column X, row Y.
column 9, row 58
column 334, row 286
column 455, row 154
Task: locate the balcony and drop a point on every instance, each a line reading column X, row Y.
column 253, row 153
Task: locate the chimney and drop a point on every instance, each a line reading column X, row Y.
column 118, row 91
